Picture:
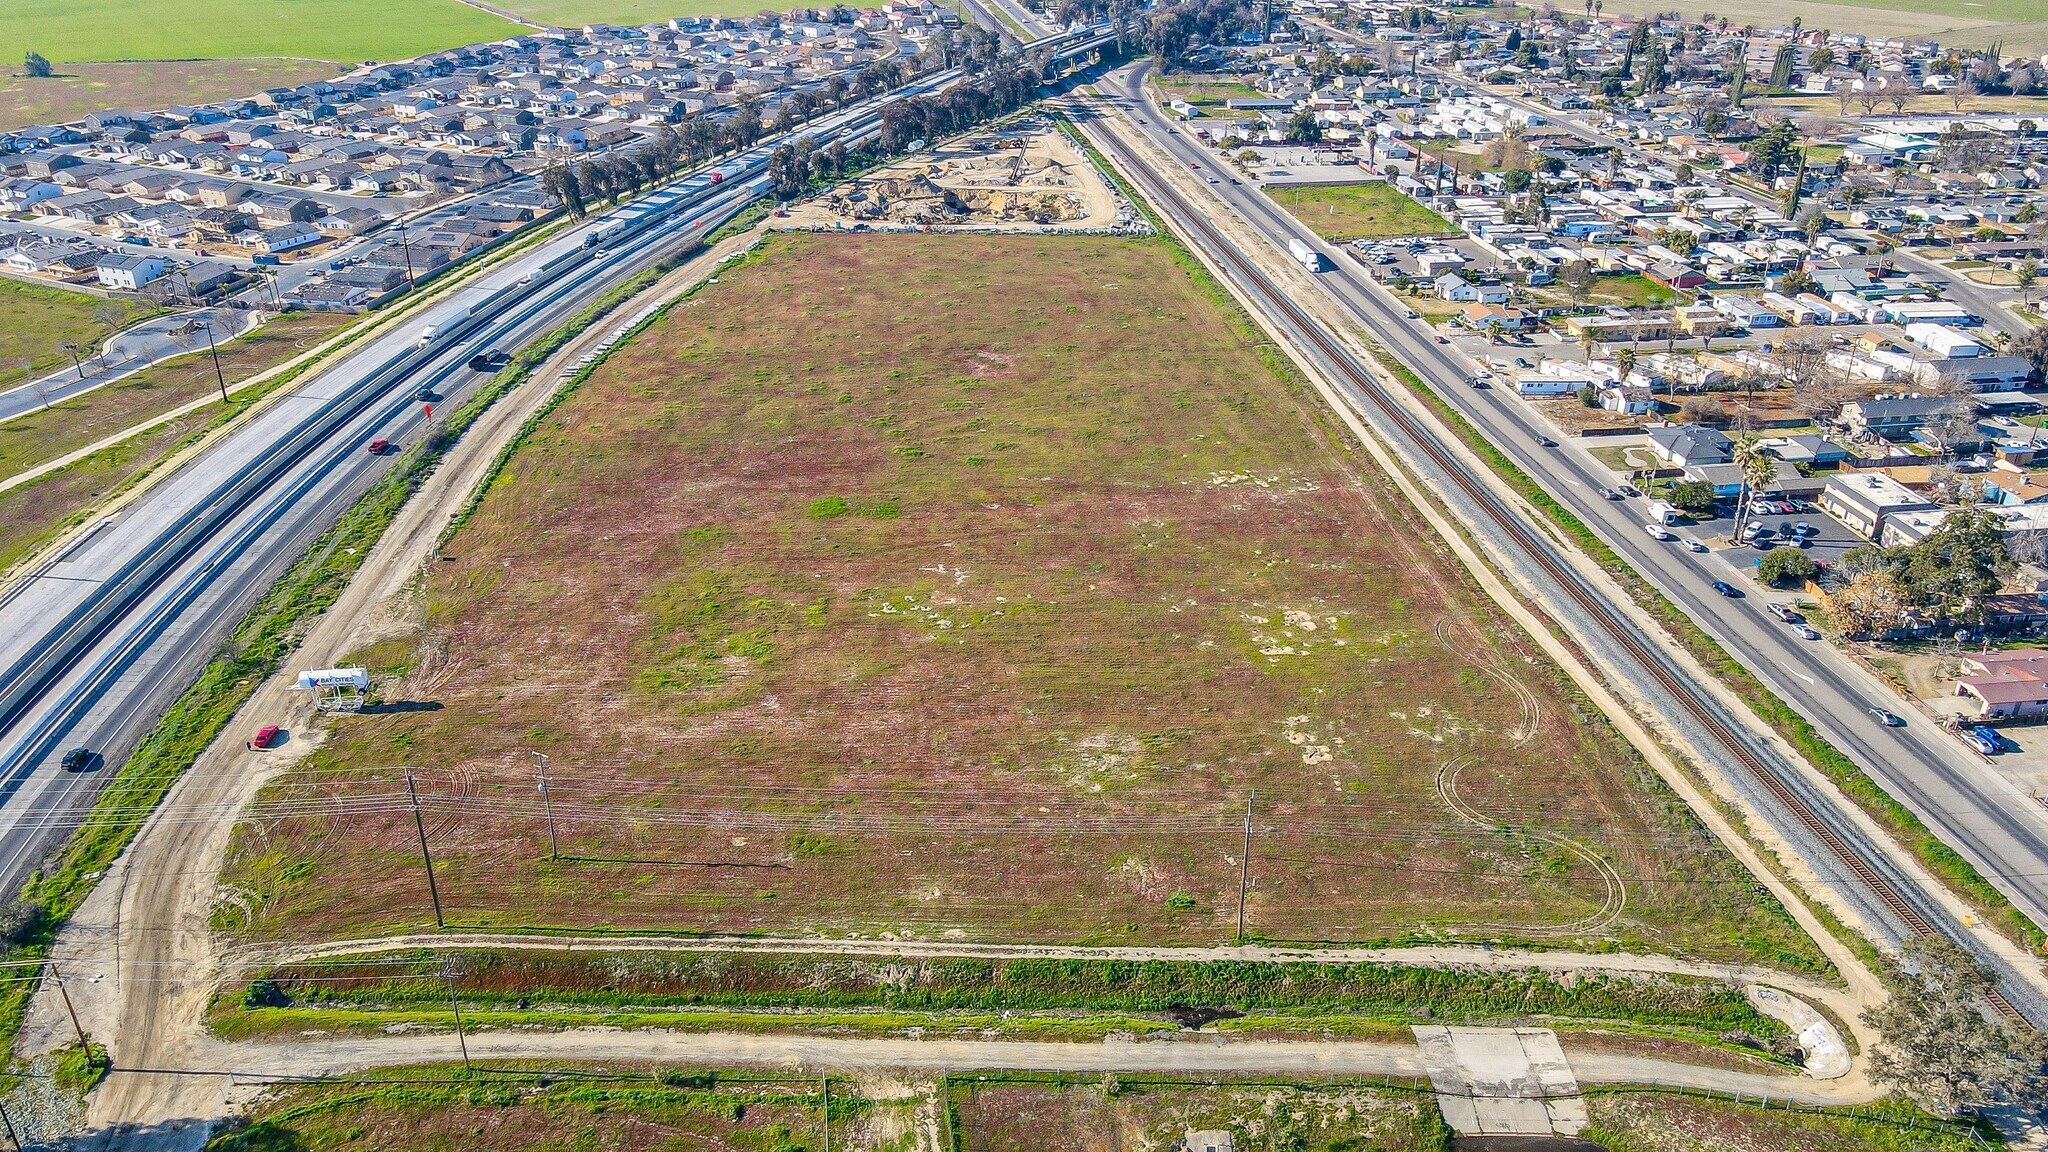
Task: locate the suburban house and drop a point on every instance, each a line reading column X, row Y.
column 1628, row 399
column 1689, row 444
column 1480, row 317
column 1896, row 418
column 1458, row 290
column 2006, row 685
column 1862, row 500
column 121, row 270
column 1804, row 448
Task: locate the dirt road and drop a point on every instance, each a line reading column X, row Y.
column 146, row 925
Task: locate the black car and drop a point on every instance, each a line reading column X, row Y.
column 80, row 760
column 424, row 392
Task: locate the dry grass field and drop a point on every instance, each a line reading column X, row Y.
column 1014, row 1115
column 79, row 89
column 967, row 587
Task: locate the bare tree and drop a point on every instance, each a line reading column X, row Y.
column 1955, row 424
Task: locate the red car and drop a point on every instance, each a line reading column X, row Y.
column 265, row 736
column 378, row 446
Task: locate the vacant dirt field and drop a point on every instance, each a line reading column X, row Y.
column 78, row 89
column 1084, row 1117
column 966, row 587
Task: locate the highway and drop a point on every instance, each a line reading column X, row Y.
column 103, row 635
column 1921, row 766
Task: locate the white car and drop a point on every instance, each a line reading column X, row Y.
column 1693, row 545
column 1806, row 632
column 1658, row 531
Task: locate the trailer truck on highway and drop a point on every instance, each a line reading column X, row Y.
column 1308, row 257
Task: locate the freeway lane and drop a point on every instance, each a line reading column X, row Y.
column 102, row 636
column 1503, row 422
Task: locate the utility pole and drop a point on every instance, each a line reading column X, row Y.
column 455, row 1006
column 420, row 826
column 1244, row 864
column 406, row 248
column 547, row 802
column 83, row 1045
column 825, row 1092
column 217, row 373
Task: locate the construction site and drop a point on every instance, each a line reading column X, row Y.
column 1025, row 176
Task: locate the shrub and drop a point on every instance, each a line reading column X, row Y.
column 1180, row 902
column 827, row 508
column 1782, row 564
column 1692, row 495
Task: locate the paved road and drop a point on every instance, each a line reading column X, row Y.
column 156, row 339
column 1960, row 800
column 97, row 641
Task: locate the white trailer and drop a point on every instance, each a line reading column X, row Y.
column 1306, row 255
column 1664, row 512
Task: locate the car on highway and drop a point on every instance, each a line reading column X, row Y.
column 1806, row 631
column 1627, row 489
column 1887, row 718
column 80, row 760
column 265, row 736
column 378, row 446
column 1727, row 589
column 1609, row 494
column 1545, row 441
column 1410, row 313
column 1443, row 340
column 1782, row 613
column 1657, row 531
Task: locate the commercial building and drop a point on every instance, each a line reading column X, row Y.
column 1862, row 500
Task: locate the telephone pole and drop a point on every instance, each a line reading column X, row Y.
column 540, row 760
column 1244, row 864
column 83, row 1045
column 434, row 890
column 13, row 1137
column 217, row 373
column 455, row 1006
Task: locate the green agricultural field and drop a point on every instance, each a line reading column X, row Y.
column 36, row 320
column 344, row 30
column 83, row 88
column 965, row 586
column 575, row 13
column 2020, row 25
column 1371, row 211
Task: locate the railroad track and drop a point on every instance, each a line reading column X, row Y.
column 1512, row 524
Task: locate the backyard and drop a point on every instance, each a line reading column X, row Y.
column 968, row 588
column 1369, row 211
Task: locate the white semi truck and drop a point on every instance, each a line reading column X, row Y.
column 1308, row 257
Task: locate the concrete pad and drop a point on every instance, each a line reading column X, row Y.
column 1824, row 1054
column 1502, row 1081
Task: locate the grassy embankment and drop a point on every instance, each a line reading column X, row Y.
column 1076, row 998
column 36, row 320
column 1369, row 211
column 34, row 512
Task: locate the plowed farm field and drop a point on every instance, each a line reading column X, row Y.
column 974, row 587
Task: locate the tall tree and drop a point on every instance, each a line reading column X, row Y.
column 33, row 64
column 1939, row 1045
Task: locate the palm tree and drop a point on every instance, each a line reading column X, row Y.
column 1758, row 470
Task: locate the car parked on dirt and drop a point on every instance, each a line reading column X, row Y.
column 265, row 737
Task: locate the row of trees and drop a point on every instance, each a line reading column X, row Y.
column 1003, row 84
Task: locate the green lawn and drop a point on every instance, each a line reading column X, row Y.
column 347, row 30
column 1374, row 211
column 35, row 320
column 1632, row 290
column 1205, row 91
